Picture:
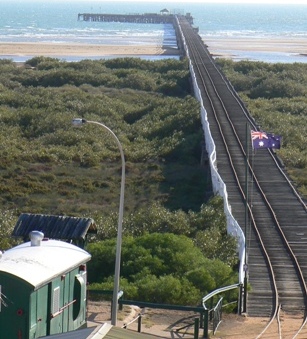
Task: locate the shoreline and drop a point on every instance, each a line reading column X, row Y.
column 231, row 47
column 29, row 49
column 218, row 47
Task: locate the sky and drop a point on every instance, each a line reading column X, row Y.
column 280, row 2
column 233, row 1
column 284, row 2
column 250, row 1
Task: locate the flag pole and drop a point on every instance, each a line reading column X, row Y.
column 246, row 218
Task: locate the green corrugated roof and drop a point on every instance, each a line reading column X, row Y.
column 105, row 331
column 78, row 334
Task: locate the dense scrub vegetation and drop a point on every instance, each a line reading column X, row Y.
column 276, row 96
column 161, row 268
column 175, row 246
column 50, row 167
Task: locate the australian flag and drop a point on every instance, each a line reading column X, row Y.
column 261, row 139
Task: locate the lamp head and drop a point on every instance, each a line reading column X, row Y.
column 78, row 121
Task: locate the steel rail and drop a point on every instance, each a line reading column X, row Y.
column 195, row 53
column 197, row 50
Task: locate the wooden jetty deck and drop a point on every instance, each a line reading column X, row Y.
column 147, row 18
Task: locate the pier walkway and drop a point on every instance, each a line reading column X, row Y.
column 263, row 209
column 148, row 18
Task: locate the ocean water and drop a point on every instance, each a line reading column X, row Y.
column 57, row 22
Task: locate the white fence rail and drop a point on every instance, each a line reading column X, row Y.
column 219, row 187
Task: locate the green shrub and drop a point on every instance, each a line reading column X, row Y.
column 159, row 267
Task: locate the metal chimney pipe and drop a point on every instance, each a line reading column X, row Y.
column 36, row 237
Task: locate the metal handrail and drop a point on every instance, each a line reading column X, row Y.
column 218, row 291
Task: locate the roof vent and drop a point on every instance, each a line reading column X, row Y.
column 36, row 237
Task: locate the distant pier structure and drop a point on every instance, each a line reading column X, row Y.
column 164, row 17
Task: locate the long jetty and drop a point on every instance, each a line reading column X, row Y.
column 147, row 18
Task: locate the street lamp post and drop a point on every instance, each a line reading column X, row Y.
column 78, row 122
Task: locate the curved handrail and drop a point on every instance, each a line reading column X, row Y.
column 218, row 291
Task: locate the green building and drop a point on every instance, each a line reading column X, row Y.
column 42, row 288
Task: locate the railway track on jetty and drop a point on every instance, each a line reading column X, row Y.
column 274, row 220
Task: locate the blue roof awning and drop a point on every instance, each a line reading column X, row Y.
column 54, row 227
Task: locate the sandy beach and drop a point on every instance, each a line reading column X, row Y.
column 225, row 47
column 82, row 50
column 217, row 46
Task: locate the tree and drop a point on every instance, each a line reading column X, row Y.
column 159, row 267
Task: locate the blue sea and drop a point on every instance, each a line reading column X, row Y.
column 57, row 22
